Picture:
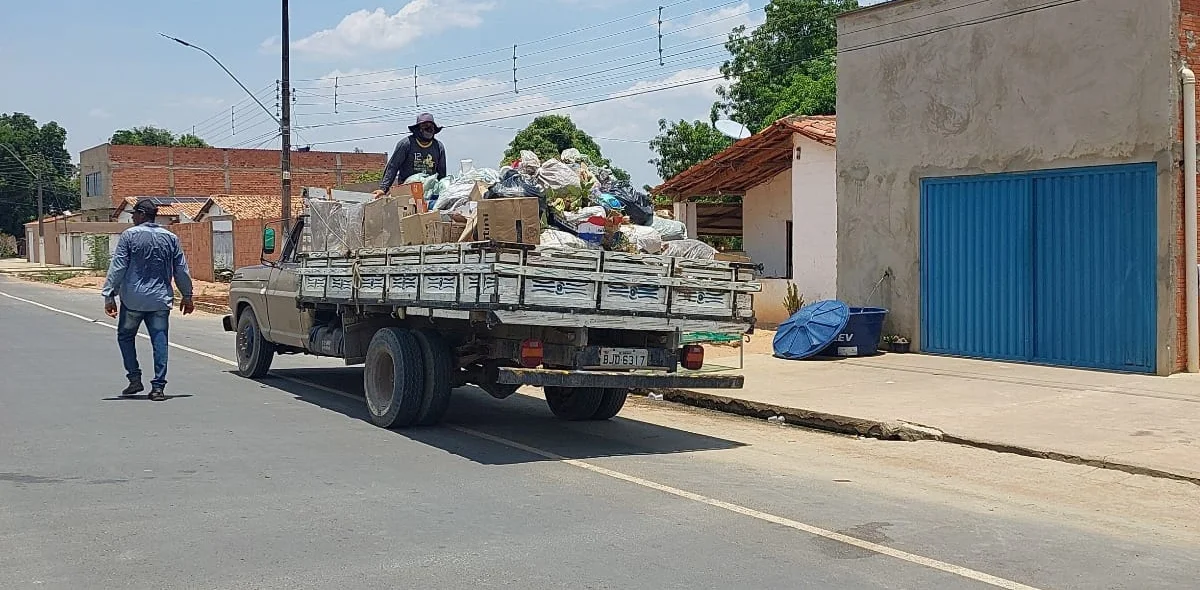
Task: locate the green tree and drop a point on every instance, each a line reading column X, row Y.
column 784, row 66
column 549, row 135
column 681, row 145
column 151, row 135
column 43, row 149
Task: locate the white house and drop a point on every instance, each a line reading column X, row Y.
column 786, row 176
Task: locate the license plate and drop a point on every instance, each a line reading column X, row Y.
column 624, row 357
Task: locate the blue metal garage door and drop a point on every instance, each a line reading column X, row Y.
column 1054, row 267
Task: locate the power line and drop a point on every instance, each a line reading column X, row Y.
column 539, row 111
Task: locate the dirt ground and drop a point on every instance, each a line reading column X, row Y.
column 209, row 296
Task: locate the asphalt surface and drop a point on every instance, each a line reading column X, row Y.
column 283, row 483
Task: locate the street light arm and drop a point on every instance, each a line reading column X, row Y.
column 235, row 78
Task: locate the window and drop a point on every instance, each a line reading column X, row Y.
column 92, row 185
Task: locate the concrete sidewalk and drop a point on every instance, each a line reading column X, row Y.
column 19, row 266
column 1139, row 424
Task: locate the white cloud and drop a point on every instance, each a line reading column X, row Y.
column 99, row 113
column 366, row 31
column 715, row 23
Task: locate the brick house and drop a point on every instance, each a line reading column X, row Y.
column 111, row 173
column 1012, row 174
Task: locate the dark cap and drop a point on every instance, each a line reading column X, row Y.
column 146, row 207
column 425, row 118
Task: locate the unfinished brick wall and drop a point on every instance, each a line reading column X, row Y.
column 1189, row 48
column 166, row 171
column 196, row 239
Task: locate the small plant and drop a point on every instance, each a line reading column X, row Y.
column 8, row 246
column 98, row 252
column 896, row 343
column 793, row 301
column 54, row 276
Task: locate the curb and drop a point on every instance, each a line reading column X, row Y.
column 893, row 430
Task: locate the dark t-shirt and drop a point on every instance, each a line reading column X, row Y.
column 411, row 157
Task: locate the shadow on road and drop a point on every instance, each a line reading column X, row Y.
column 145, row 397
column 519, row 418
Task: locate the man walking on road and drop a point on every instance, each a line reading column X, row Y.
column 147, row 259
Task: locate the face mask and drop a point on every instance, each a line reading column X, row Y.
column 425, row 134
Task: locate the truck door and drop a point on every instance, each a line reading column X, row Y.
column 288, row 325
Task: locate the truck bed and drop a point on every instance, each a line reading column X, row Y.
column 542, row 285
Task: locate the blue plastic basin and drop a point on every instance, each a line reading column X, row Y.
column 861, row 335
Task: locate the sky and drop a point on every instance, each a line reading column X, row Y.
column 97, row 71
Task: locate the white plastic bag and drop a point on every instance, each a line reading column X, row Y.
column 573, row 219
column 557, row 176
column 561, row 239
column 669, row 229
column 529, row 163
column 644, row 238
column 690, row 249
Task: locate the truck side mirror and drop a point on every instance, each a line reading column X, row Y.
column 268, row 240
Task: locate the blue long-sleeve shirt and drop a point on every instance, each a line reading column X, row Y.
column 147, row 259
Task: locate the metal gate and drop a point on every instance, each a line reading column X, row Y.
column 222, row 250
column 1054, row 267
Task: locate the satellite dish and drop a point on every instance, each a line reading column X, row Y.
column 732, row 129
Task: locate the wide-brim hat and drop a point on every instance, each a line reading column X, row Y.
column 424, row 118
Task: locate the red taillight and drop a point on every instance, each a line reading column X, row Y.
column 531, row 353
column 693, row 357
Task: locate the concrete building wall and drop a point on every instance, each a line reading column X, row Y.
column 766, row 211
column 1080, row 84
column 814, row 220
column 95, row 161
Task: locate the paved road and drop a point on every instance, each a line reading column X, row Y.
column 283, row 484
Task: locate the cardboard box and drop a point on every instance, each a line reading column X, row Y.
column 515, row 221
column 381, row 222
column 430, row 228
column 479, row 192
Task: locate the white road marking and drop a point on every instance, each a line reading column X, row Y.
column 731, row 507
column 114, row 327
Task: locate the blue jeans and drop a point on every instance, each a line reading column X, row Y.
column 128, row 323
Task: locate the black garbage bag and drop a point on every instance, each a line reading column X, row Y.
column 513, row 185
column 637, row 204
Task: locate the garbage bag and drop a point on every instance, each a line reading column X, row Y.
column 574, row 156
column 571, row 220
column 669, row 229
column 529, row 162
column 636, row 205
column 487, row 176
column 644, row 239
column 562, row 239
column 430, row 181
column 690, row 249
column 514, row 184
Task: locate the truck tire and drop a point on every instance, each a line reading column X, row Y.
column 574, row 403
column 439, row 366
column 394, row 378
column 254, row 354
column 611, row 404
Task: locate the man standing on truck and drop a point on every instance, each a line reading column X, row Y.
column 419, row 153
column 147, row 259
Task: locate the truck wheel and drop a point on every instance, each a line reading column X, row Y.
column 490, row 381
column 574, row 403
column 394, row 378
column 439, row 366
column 611, row 404
column 254, row 354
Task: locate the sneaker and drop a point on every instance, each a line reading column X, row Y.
column 135, row 387
column 157, row 394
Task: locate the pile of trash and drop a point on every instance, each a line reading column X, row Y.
column 580, row 205
column 566, row 201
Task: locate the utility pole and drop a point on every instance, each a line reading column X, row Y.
column 285, row 125
column 41, row 226
column 41, row 209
